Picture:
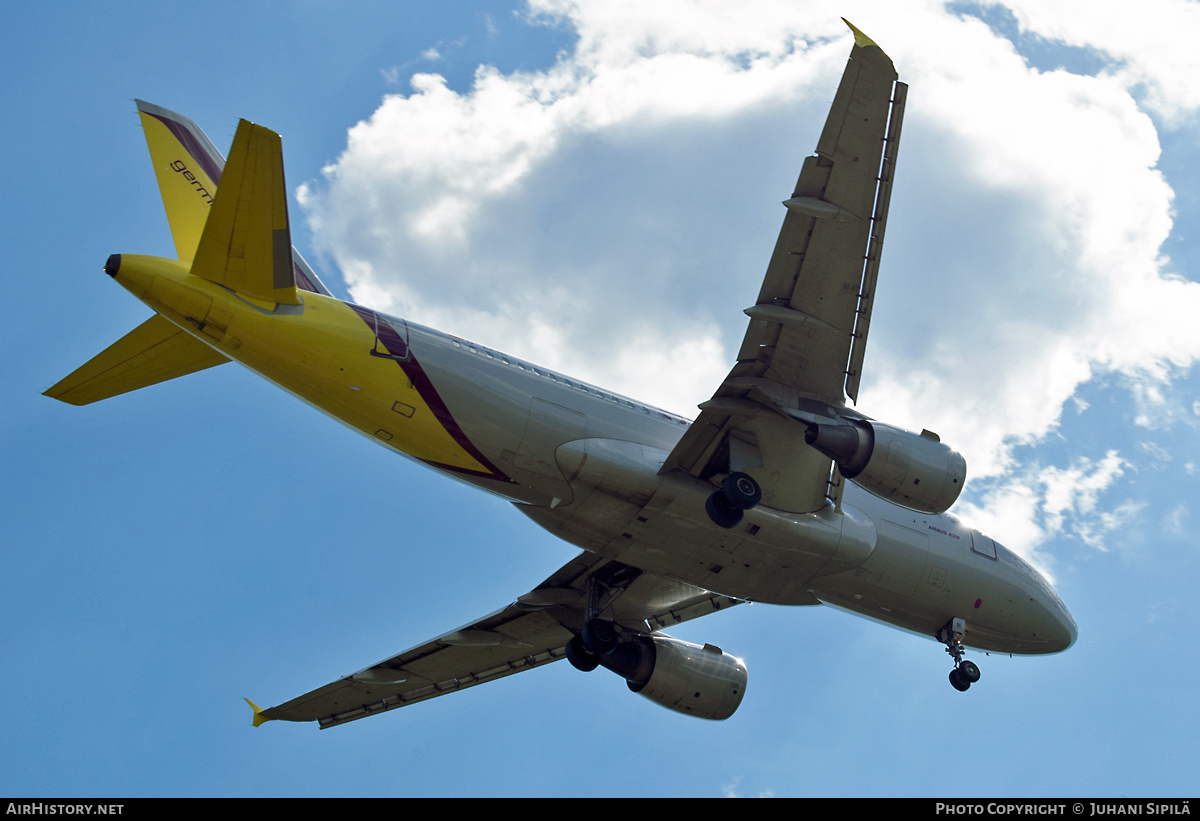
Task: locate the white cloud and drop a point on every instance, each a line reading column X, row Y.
column 730, row 790
column 1175, row 522
column 1153, row 51
column 610, row 215
column 1037, row 504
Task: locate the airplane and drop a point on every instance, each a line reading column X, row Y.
column 780, row 491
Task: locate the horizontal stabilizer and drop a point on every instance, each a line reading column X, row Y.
column 247, row 244
column 153, row 352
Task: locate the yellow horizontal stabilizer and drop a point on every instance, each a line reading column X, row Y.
column 153, row 352
column 247, row 244
column 259, row 718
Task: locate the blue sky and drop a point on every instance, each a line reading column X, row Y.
column 601, row 198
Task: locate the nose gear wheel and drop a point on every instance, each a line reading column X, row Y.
column 965, row 673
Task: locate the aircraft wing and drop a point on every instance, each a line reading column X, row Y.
column 803, row 350
column 528, row 633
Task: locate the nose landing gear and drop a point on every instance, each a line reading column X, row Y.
column 965, row 673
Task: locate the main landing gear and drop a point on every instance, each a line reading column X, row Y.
column 965, row 673
column 739, row 492
column 582, row 659
column 600, row 637
column 594, row 645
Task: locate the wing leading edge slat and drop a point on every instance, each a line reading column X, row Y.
column 883, row 200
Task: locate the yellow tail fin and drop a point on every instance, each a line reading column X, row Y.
column 188, row 168
column 239, row 239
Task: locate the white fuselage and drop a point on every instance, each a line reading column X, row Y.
column 584, row 464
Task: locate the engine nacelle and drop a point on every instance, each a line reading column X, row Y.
column 696, row 680
column 910, row 469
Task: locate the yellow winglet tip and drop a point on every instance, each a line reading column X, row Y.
column 861, row 40
column 259, row 718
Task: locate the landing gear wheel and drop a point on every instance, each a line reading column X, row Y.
column 722, row 511
column 965, row 673
column 599, row 637
column 741, row 490
column 580, row 658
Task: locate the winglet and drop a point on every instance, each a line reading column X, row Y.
column 259, row 718
column 861, row 40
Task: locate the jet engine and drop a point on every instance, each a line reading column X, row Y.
column 914, row 470
column 696, row 680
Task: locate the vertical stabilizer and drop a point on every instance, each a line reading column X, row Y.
column 188, row 168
